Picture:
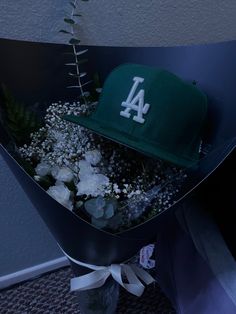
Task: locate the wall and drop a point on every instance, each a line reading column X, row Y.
column 133, row 22
column 25, row 241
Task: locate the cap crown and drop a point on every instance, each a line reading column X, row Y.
column 152, row 111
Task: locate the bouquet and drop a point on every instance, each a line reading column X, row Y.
column 104, row 174
column 100, row 189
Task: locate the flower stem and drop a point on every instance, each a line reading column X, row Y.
column 76, row 57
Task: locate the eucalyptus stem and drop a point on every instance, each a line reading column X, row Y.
column 75, row 55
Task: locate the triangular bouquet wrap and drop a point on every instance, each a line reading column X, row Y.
column 167, row 95
column 95, row 254
column 79, row 239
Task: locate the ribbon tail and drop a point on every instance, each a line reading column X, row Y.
column 115, row 271
column 134, row 285
column 92, row 280
column 135, row 288
column 143, row 275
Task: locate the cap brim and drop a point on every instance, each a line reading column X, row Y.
column 129, row 141
column 209, row 164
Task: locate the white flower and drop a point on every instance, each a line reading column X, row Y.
column 93, row 184
column 63, row 174
column 93, row 157
column 85, row 169
column 58, row 136
column 42, row 169
column 61, row 194
column 37, row 178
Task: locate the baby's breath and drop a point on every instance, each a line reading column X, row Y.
column 142, row 186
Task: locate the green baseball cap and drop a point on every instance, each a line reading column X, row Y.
column 152, row 111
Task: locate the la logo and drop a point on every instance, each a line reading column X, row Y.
column 135, row 103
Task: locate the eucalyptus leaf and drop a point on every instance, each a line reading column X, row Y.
column 73, row 74
column 93, row 207
column 86, row 83
column 74, row 41
column 81, row 52
column 90, row 203
column 97, row 213
column 100, row 202
column 109, row 211
column 82, row 74
column 64, row 31
column 69, row 21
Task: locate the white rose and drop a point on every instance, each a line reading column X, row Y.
column 85, row 169
column 61, row 194
column 42, row 169
column 93, row 157
column 93, row 185
column 63, row 174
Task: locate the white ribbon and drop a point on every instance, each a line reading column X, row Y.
column 100, row 274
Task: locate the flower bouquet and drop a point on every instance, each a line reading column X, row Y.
column 104, row 175
column 106, row 182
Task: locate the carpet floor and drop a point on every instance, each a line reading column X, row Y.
column 50, row 294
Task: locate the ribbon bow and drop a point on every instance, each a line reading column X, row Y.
column 100, row 274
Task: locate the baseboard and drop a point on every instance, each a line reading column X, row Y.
column 31, row 272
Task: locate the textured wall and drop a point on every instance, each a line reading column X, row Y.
column 24, row 239
column 122, row 22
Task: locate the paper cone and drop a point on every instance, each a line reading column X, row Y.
column 84, row 242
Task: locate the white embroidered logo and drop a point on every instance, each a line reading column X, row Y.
column 130, row 103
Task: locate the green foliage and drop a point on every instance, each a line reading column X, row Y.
column 64, row 31
column 18, row 120
column 74, row 42
column 69, row 21
column 103, row 212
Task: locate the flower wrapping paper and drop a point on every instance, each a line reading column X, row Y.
column 79, row 239
column 84, row 242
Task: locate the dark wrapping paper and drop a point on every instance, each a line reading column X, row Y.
column 213, row 67
column 196, row 262
column 88, row 244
